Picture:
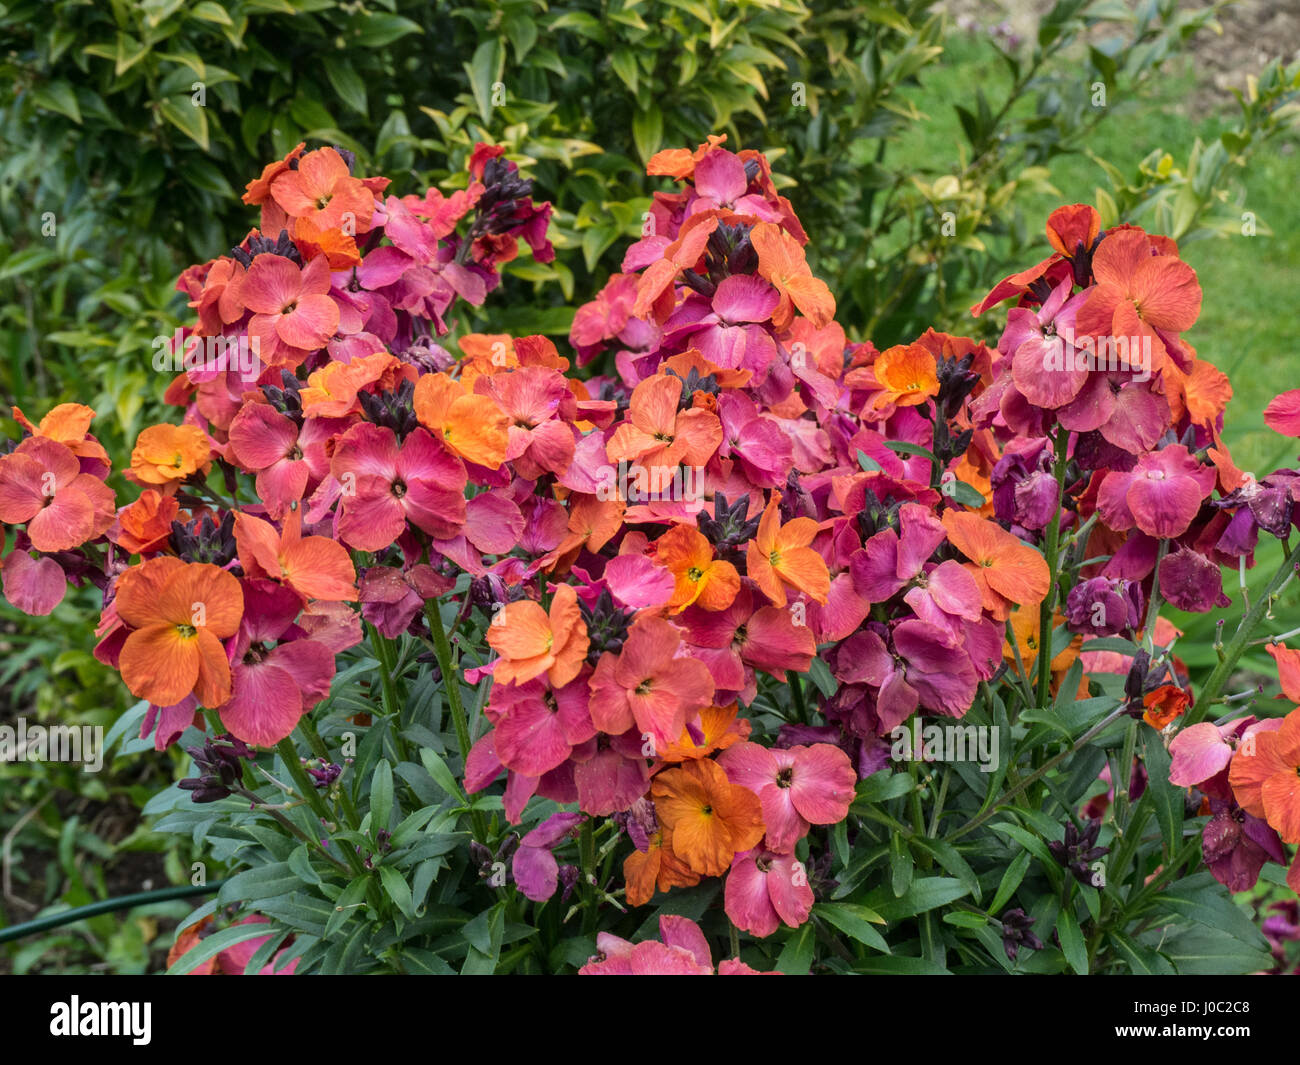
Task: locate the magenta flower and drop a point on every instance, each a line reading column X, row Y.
column 766, row 889
column 1236, row 845
column 1104, row 606
column 536, row 727
column 534, row 866
column 888, row 561
column 277, row 672
column 798, row 787
column 1161, row 495
column 727, row 329
column 383, row 485
column 289, row 459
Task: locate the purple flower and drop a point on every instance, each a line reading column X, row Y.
column 1104, row 607
column 1191, row 582
column 1236, row 845
column 536, row 871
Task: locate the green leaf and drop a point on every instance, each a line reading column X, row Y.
column 925, row 893
column 379, row 30
column 796, row 956
column 963, row 493
column 211, row 12
column 482, row 70
column 1010, row 881
column 1027, row 840
column 214, row 945
column 437, row 768
column 1067, row 928
column 1207, row 952
column 853, row 921
column 58, row 96
column 950, row 858
column 483, row 934
column 868, row 464
column 381, row 798
column 820, row 674
column 624, row 63
column 1167, row 797
column 348, row 84
column 26, row 260
column 648, row 130
column 881, row 786
column 190, row 120
column 398, row 889
column 906, row 448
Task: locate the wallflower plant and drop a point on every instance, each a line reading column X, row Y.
column 454, row 704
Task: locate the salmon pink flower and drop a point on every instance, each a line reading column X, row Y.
column 289, row 459
column 765, row 890
column 315, row 567
column 1007, row 571
column 711, row 819
column 180, row 612
column 322, row 191
column 657, row 434
column 648, row 684
column 536, row 727
column 34, row 585
column 41, row 483
column 1265, row 777
column 384, row 484
column 293, row 313
column 69, row 425
column 1140, row 294
column 782, row 262
column 798, row 787
column 740, row 638
column 277, row 672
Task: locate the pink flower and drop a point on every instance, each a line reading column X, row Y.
column 798, row 786
column 293, row 312
column 648, row 685
column 765, row 889
column 1161, row 495
column 534, row 866
column 289, row 459
column 277, row 673
column 536, row 727
column 726, row 330
column 384, row 485
column 683, row 952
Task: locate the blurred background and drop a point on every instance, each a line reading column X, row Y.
column 922, row 144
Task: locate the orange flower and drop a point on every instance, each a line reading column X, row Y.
column 781, row 261
column 322, row 191
column 331, row 391
column 315, row 567
column 710, row 818
column 485, row 354
column 718, row 728
column 1265, row 777
column 1024, row 626
column 145, row 525
column 1163, row 705
column 69, row 424
column 471, row 425
column 654, row 291
column 779, row 555
column 532, row 642
column 657, row 434
column 906, row 375
column 699, row 577
column 165, row 454
column 593, row 522
column 180, row 611
column 1007, row 571
column 656, row 868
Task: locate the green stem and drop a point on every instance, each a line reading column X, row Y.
column 386, row 652
column 289, row 755
column 796, row 692
column 1047, row 611
column 1213, row 687
column 308, row 728
column 451, row 686
column 1040, row 772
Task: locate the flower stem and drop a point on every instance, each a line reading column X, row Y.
column 1047, row 611
column 289, row 755
column 451, row 686
column 1240, row 640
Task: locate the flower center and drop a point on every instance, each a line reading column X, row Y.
column 785, row 778
column 643, row 688
column 399, row 489
column 694, row 573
